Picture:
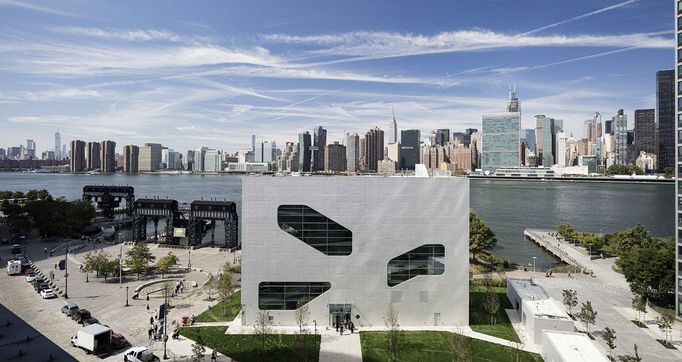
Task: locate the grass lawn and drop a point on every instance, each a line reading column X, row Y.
column 244, row 347
column 432, row 346
column 479, row 319
column 215, row 313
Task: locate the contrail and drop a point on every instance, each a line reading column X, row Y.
column 602, row 10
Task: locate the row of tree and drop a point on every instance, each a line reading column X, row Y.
column 648, row 263
column 52, row 217
column 137, row 260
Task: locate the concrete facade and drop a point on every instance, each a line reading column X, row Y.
column 388, row 217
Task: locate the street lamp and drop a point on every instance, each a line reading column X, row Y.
column 534, row 258
column 189, row 259
column 165, row 313
column 120, row 265
column 126, row 295
column 66, row 271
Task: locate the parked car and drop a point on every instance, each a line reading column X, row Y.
column 37, row 280
column 118, row 341
column 70, row 309
column 16, row 249
column 47, row 293
column 30, row 277
column 89, row 321
column 41, row 286
column 81, row 315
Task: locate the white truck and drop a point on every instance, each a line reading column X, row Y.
column 139, row 354
column 13, row 267
column 94, row 338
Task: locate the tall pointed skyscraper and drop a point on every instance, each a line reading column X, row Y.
column 513, row 105
column 58, row 146
column 392, row 130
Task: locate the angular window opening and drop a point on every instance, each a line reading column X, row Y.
column 286, row 295
column 427, row 259
column 315, row 229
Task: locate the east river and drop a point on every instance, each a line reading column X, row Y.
column 507, row 206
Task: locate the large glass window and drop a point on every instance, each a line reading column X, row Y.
column 425, row 260
column 315, row 229
column 286, row 295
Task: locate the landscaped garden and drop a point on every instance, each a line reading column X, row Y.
column 479, row 318
column 435, row 346
column 248, row 347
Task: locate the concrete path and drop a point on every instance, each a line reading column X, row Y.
column 340, row 348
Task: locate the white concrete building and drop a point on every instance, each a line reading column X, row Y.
column 351, row 246
column 569, row 347
column 537, row 311
column 256, row 167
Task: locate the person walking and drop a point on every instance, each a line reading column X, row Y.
column 45, row 250
column 214, row 356
column 351, row 325
column 341, row 330
column 150, row 331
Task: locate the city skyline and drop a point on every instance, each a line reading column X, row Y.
column 192, row 79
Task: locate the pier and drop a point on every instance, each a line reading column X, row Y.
column 550, row 241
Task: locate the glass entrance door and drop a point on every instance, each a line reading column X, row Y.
column 339, row 314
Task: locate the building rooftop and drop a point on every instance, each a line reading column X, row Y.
column 533, row 295
column 572, row 346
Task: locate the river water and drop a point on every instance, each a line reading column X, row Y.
column 507, row 206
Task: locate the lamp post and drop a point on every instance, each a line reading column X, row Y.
column 165, row 313
column 534, row 258
column 120, row 266
column 126, row 295
column 189, row 259
column 66, row 271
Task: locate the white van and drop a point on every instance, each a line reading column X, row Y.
column 14, row 267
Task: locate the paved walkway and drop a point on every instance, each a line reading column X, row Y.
column 340, row 348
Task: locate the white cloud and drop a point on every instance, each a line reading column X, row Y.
column 135, row 35
column 29, row 6
column 582, row 16
column 376, row 45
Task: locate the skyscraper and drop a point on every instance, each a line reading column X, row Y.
column 77, row 160
column 678, row 223
column 253, row 142
column 304, row 152
column 264, row 152
column 58, row 145
column 335, row 157
column 131, row 153
column 665, row 105
column 409, row 148
column 545, row 139
column 442, row 136
column 318, row 148
column 392, row 130
column 352, row 152
column 374, row 151
column 500, row 144
column 620, row 127
column 108, row 156
column 30, row 149
column 513, row 105
column 645, row 131
column 150, row 157
column 93, row 153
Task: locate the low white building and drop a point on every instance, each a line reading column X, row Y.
column 250, row 167
column 349, row 247
column 569, row 347
column 536, row 309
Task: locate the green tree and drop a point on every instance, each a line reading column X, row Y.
column 492, row 305
column 302, row 314
column 224, row 286
column 567, row 231
column 138, row 258
column 639, row 305
column 570, row 299
column 609, row 337
column 481, row 236
column 166, row 262
column 588, row 315
column 650, row 269
column 198, row 349
column 262, row 329
column 665, row 322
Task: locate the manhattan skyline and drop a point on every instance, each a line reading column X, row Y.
column 214, row 73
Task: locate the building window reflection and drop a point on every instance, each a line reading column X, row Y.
column 315, row 229
column 286, row 295
column 427, row 259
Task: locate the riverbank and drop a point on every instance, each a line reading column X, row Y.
column 668, row 181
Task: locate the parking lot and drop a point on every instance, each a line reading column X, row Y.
column 106, row 301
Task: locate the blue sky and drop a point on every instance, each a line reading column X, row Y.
column 211, row 73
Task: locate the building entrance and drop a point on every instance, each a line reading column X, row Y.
column 339, row 314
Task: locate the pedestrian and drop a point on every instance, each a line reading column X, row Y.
column 147, row 306
column 569, row 273
column 550, row 272
column 55, row 266
column 150, row 331
column 151, row 319
column 45, row 251
column 602, row 255
column 214, row 356
column 352, row 327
